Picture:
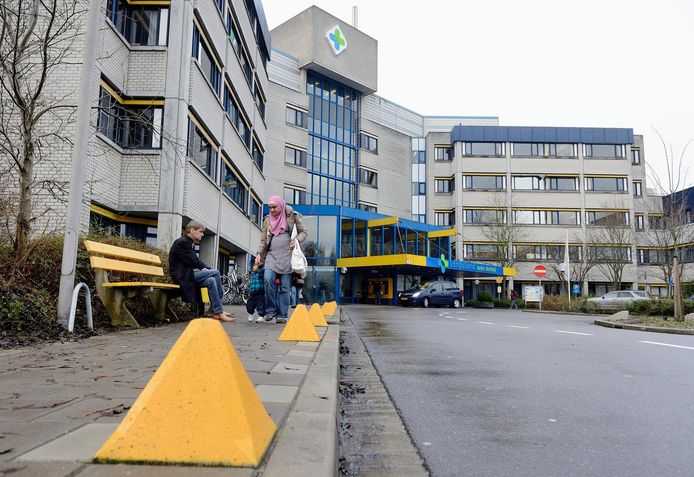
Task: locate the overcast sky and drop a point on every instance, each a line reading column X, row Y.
column 594, row 63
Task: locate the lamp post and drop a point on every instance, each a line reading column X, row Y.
column 79, row 153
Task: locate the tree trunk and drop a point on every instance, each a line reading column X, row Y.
column 24, row 218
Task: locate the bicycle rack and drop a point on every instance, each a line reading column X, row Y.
column 73, row 307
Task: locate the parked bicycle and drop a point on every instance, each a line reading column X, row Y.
column 235, row 287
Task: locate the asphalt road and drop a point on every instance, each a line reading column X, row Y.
column 509, row 393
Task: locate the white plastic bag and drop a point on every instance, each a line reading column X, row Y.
column 299, row 264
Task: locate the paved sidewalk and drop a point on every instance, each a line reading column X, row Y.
column 59, row 402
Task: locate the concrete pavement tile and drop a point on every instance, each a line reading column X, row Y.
column 281, row 379
column 307, row 344
column 79, row 445
column 19, row 437
column 274, row 393
column 25, row 409
column 302, row 353
column 38, row 469
column 293, row 359
column 258, row 365
column 88, row 410
column 277, row 411
column 289, row 368
column 125, row 470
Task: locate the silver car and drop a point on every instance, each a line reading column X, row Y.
column 619, row 299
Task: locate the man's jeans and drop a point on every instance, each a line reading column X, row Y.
column 211, row 279
column 277, row 296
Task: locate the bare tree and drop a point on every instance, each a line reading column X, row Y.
column 580, row 262
column 500, row 230
column 610, row 238
column 36, row 40
column 668, row 231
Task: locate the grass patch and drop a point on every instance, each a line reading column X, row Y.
column 656, row 322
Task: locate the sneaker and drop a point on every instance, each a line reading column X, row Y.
column 281, row 321
column 269, row 319
column 250, row 318
column 260, row 319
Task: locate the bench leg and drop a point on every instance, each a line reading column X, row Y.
column 114, row 301
column 160, row 300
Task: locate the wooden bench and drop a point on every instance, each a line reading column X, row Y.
column 106, row 258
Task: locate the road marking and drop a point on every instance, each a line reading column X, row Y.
column 462, row 319
column 485, row 322
column 460, row 312
column 522, row 327
column 573, row 333
column 665, row 344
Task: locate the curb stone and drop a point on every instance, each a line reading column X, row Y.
column 654, row 329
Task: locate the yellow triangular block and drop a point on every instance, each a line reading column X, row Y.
column 299, row 327
column 329, row 308
column 317, row 315
column 199, row 408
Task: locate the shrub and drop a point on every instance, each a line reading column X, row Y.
column 661, row 307
column 485, row 297
column 29, row 290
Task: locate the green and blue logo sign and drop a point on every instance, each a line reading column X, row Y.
column 336, row 39
column 443, row 263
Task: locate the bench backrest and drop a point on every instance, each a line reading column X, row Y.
column 107, row 257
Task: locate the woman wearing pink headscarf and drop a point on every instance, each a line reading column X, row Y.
column 275, row 252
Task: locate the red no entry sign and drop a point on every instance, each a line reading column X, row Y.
column 540, row 271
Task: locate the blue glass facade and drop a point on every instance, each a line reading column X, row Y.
column 333, row 129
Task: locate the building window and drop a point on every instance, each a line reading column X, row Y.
column 443, row 153
column 526, row 149
column 236, row 116
column 444, row 186
column 444, row 217
column 368, row 207
column 609, row 254
column 652, row 256
column 527, row 183
column 484, row 182
column 294, row 196
column 606, row 184
column 484, row 149
column 561, row 183
column 294, row 156
column 233, row 32
column 547, row 217
column 258, row 155
column 480, row 252
column 635, row 157
column 484, row 216
column 123, row 226
column 368, row 142
column 545, row 252
column 200, row 149
column 368, row 177
column 207, row 60
column 259, row 97
column 637, row 188
column 607, row 218
column 605, row 151
column 256, row 211
column 638, row 222
column 233, row 186
column 139, row 25
column 297, row 117
column 419, row 188
column 130, row 127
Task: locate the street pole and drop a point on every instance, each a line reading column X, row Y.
column 79, row 153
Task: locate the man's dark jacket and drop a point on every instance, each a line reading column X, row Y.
column 182, row 261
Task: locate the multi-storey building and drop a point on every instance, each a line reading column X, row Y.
column 180, row 131
column 201, row 118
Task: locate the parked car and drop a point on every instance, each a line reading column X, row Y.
column 436, row 293
column 618, row 299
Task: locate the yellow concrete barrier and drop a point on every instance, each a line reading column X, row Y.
column 199, row 408
column 299, row 327
column 317, row 315
column 329, row 308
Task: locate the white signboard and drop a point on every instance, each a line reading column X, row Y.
column 533, row 293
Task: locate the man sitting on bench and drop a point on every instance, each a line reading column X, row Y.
column 191, row 273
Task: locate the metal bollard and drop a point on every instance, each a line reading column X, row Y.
column 73, row 307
